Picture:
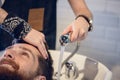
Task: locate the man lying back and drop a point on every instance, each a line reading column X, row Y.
column 23, row 61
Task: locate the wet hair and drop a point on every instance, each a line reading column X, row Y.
column 45, row 67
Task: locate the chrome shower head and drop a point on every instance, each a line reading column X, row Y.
column 64, row 39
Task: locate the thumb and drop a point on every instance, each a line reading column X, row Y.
column 67, row 30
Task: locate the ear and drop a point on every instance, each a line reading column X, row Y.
column 40, row 78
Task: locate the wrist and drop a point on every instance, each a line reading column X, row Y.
column 87, row 20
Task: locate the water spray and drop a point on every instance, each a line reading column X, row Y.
column 64, row 40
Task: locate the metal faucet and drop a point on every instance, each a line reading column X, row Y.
column 71, row 71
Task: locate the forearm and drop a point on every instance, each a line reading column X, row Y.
column 14, row 25
column 80, row 8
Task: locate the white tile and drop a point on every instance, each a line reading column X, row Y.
column 101, row 44
column 118, row 48
column 113, row 6
column 119, row 21
column 113, row 34
column 98, row 32
column 106, row 19
column 96, row 5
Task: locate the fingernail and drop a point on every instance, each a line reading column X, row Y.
column 46, row 56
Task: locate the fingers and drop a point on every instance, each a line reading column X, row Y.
column 43, row 38
column 67, row 30
column 37, row 39
column 74, row 34
column 42, row 49
column 76, row 31
column 41, row 46
column 78, row 35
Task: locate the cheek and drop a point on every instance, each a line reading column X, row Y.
column 28, row 66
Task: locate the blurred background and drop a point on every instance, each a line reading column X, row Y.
column 103, row 43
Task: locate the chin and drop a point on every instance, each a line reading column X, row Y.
column 8, row 74
column 7, row 67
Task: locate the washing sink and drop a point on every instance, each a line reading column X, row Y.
column 86, row 68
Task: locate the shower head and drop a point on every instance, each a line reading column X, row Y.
column 64, row 39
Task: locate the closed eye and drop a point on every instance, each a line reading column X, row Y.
column 26, row 51
column 25, row 54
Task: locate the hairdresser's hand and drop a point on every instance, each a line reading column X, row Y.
column 78, row 29
column 37, row 39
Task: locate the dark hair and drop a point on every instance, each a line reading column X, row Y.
column 45, row 65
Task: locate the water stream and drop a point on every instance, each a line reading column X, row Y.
column 60, row 61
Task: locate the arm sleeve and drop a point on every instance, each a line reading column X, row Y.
column 15, row 26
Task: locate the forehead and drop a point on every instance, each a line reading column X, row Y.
column 25, row 46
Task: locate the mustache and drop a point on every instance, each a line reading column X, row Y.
column 10, row 62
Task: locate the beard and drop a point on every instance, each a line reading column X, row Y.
column 7, row 74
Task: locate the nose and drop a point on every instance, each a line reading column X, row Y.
column 9, row 54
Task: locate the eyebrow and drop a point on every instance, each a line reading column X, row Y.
column 24, row 48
